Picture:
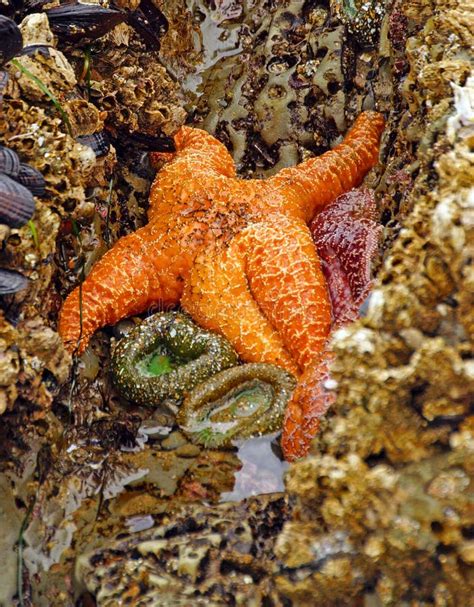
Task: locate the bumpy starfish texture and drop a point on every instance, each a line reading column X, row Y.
column 236, row 253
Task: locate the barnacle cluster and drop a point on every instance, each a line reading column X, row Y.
column 31, row 349
column 130, row 84
column 141, row 100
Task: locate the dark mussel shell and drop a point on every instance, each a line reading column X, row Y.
column 31, row 179
column 99, row 142
column 17, row 204
column 10, row 8
column 3, row 84
column 43, row 49
column 149, row 22
column 11, row 282
column 11, row 41
column 9, row 162
column 83, row 22
column 33, row 6
column 123, row 139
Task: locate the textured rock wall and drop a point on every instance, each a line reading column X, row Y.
column 384, row 507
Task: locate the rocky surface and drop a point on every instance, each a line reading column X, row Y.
column 385, row 502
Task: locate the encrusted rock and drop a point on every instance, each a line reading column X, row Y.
column 386, row 499
column 44, row 62
column 171, row 560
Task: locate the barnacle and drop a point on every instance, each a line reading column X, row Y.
column 139, row 98
column 42, row 60
column 165, row 356
column 240, row 402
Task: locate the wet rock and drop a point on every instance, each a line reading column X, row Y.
column 174, row 441
column 188, row 451
column 164, row 469
column 232, row 536
column 10, row 522
column 284, row 83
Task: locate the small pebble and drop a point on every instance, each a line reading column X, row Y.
column 174, row 441
column 188, row 450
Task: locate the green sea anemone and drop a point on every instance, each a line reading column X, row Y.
column 241, row 402
column 166, row 356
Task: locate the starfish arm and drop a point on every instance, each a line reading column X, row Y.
column 308, row 404
column 200, row 159
column 197, row 150
column 218, row 297
column 287, row 282
column 346, row 237
column 123, row 282
column 313, row 184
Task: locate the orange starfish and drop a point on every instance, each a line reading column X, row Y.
column 236, row 253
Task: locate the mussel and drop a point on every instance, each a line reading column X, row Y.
column 10, row 8
column 11, row 282
column 32, row 6
column 9, row 162
column 11, row 40
column 41, row 49
column 99, row 142
column 78, row 22
column 149, row 22
column 123, row 139
column 17, row 204
column 31, row 179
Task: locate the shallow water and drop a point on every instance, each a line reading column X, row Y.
column 262, row 471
